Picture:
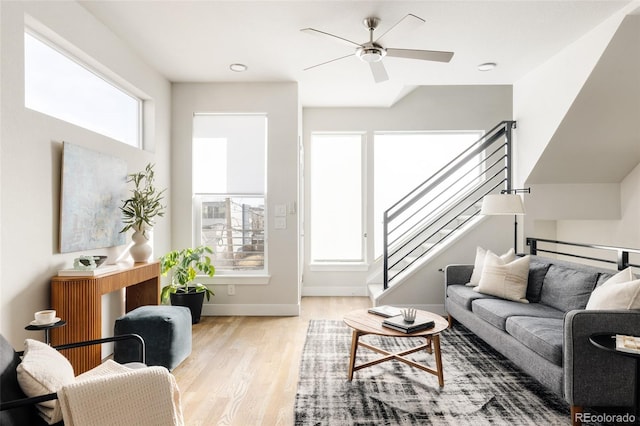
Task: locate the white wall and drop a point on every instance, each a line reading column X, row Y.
column 573, row 210
column 542, row 98
column 425, row 288
column 623, row 231
column 31, row 147
column 426, row 108
column 573, row 201
column 279, row 294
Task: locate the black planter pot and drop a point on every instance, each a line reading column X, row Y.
column 192, row 300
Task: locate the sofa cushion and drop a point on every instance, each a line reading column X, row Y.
column 463, row 295
column 544, row 336
column 622, row 291
column 567, row 289
column 537, row 271
column 478, row 265
column 496, row 311
column 507, row 280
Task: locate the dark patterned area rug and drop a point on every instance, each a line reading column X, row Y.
column 481, row 387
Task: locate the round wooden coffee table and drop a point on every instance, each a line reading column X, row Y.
column 363, row 323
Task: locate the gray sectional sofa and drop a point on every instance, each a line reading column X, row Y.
column 548, row 337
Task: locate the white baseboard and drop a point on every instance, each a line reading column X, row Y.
column 334, row 291
column 277, row 310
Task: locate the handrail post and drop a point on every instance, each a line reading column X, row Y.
column 385, row 254
column 533, row 244
column 623, row 259
column 508, row 127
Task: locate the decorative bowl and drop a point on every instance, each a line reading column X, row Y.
column 99, row 260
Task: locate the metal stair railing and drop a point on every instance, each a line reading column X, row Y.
column 590, row 252
column 446, row 202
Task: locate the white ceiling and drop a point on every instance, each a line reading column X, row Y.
column 196, row 41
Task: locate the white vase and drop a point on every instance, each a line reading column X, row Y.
column 141, row 249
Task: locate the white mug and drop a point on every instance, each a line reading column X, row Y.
column 45, row 317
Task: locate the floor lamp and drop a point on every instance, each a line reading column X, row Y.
column 505, row 203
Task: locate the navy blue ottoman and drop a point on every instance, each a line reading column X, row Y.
column 166, row 331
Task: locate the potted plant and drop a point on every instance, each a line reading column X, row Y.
column 139, row 212
column 184, row 266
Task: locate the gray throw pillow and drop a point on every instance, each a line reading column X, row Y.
column 537, row 272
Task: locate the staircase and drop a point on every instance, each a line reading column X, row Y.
column 441, row 209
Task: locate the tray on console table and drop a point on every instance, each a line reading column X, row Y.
column 79, row 301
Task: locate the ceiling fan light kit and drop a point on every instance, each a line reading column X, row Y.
column 372, row 51
column 371, row 54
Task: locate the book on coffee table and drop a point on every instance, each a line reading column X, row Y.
column 385, row 311
column 399, row 324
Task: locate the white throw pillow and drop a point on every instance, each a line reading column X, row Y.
column 479, row 264
column 44, row 370
column 622, row 291
column 507, row 280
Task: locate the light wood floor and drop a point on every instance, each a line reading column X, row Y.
column 244, row 370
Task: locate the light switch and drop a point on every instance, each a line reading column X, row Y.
column 291, row 208
column 281, row 210
column 281, row 223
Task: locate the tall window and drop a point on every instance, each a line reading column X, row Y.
column 402, row 161
column 61, row 87
column 229, row 178
column 336, row 198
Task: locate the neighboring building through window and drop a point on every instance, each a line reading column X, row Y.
column 229, row 180
column 60, row 86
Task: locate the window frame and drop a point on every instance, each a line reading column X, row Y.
column 337, row 264
column 86, row 65
column 257, row 276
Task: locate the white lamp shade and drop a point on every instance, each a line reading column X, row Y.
column 498, row 204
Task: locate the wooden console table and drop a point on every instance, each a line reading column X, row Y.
column 78, row 300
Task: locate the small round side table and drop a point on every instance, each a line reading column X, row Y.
column 607, row 342
column 46, row 328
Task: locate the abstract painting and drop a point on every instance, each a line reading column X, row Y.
column 93, row 187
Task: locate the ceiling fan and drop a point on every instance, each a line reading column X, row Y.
column 373, row 51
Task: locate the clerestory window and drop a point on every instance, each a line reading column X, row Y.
column 59, row 85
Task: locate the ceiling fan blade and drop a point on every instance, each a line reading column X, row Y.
column 335, row 37
column 425, row 55
column 328, row 62
column 378, row 71
column 408, row 23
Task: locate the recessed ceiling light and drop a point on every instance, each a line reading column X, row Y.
column 238, row 67
column 487, row 66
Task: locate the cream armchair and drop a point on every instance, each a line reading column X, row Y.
column 38, row 386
